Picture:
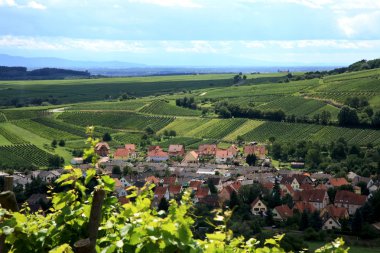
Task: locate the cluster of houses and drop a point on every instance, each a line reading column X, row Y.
column 309, row 193
column 157, row 154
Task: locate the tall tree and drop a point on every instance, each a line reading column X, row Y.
column 251, row 159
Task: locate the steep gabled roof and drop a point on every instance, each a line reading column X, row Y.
column 284, row 211
column 336, row 182
column 202, row 191
column 174, row 148
column 304, row 206
column 160, row 190
column 99, row 145
column 336, row 212
column 315, row 195
column 175, row 189
column 347, row 197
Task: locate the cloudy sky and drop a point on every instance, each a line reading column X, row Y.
column 194, row 32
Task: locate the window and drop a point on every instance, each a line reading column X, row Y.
column 330, row 222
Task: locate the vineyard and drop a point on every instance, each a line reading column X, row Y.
column 116, row 120
column 282, row 131
column 62, row 126
column 18, row 114
column 217, row 128
column 183, row 126
column 131, row 105
column 2, row 117
column 11, row 137
column 23, row 155
column 127, row 137
column 249, row 125
column 294, row 105
column 160, row 107
column 44, row 131
column 187, row 141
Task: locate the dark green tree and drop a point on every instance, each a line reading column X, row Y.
column 107, row 137
column 234, row 200
column 116, row 170
column 304, row 222
column 61, row 143
column 348, row 117
column 163, row 205
column 251, row 159
column 357, row 223
column 54, row 143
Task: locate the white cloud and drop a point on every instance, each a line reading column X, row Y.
column 30, row 4
column 197, row 46
column 54, row 44
column 359, row 24
column 170, row 3
column 326, row 44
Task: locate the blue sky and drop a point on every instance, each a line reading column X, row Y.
column 194, row 32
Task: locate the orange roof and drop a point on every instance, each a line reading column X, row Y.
column 222, row 153
column 117, row 183
column 208, row 149
column 152, row 179
column 254, row 149
column 268, row 185
column 170, row 180
column 336, row 182
column 175, row 148
column 121, row 152
column 158, row 152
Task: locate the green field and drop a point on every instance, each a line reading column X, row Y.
column 160, row 107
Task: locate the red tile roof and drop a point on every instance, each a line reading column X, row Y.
column 284, row 211
column 207, row 149
column 175, row 148
column 222, row 153
column 130, row 147
column 202, row 191
column 304, row 206
column 195, row 184
column 121, row 152
column 160, row 190
column 336, row 182
column 259, row 150
column 347, row 197
column 175, row 189
column 158, row 152
column 152, row 179
column 315, row 195
column 170, row 180
column 336, row 212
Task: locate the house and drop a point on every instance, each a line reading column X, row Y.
column 292, row 181
column 210, row 200
column 125, row 183
column 175, row 190
column 76, row 161
column 152, row 180
column 282, row 213
column 202, row 192
column 176, row 150
column 223, row 156
column 286, row 189
column 349, row 200
column 37, row 201
column 195, row 184
column 217, row 182
column 258, row 207
column 259, row 150
column 301, row 207
column 336, row 182
column 318, row 198
column 161, row 192
column 49, row 175
column 191, row 157
column 128, row 152
column 233, row 150
column 102, row 149
column 157, row 155
column 331, row 224
column 166, row 181
column 225, row 193
column 334, row 212
column 207, row 150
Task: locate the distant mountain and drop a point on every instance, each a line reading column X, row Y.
column 51, row 62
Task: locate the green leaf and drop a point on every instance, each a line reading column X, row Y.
column 109, row 183
column 90, row 174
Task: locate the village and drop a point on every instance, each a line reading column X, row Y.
column 215, row 176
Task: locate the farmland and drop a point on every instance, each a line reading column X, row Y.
column 96, row 103
column 23, row 155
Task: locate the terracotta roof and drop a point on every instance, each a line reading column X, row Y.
column 191, row 156
column 336, row 212
column 304, row 206
column 160, row 190
column 207, row 149
column 150, row 148
column 202, row 191
column 152, row 179
column 306, row 187
column 233, row 149
column 284, row 211
column 99, row 145
column 347, row 197
column 336, row 182
column 255, row 149
column 170, row 180
column 222, row 153
column 236, row 185
column 175, row 189
column 121, row 152
column 210, row 200
column 157, row 153
column 255, row 202
column 315, row 195
column 268, row 185
column 195, row 184
column 173, row 148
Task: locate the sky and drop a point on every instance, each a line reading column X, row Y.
column 194, row 32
